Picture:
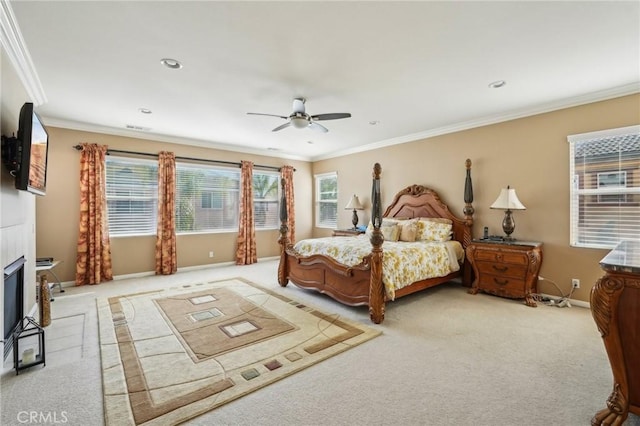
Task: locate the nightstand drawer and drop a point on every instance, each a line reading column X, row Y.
column 506, row 268
column 513, row 287
column 503, row 269
column 514, row 257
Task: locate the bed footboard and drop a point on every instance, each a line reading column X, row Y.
column 323, row 274
column 327, row 276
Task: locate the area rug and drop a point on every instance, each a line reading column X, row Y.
column 173, row 354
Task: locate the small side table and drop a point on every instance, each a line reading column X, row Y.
column 48, row 267
column 506, row 268
column 347, row 232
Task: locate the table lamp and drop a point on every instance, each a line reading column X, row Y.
column 507, row 201
column 354, row 204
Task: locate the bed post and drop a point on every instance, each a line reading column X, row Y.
column 468, row 215
column 376, row 289
column 283, row 240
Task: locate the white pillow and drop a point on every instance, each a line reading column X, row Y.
column 434, row 229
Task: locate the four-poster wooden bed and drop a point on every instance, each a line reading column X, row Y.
column 362, row 284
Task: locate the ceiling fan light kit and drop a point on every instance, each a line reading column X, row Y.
column 299, row 119
column 300, row 122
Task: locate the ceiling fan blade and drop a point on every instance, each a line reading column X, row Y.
column 270, row 115
column 283, row 126
column 334, row 116
column 298, row 105
column 319, row 127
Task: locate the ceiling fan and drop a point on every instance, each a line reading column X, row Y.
column 301, row 120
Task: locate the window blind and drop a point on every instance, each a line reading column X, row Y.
column 605, row 187
column 132, row 196
column 327, row 200
column 207, row 197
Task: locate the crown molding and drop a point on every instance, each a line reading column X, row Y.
column 602, row 95
column 16, row 50
column 85, row 127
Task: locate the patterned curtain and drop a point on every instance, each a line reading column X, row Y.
column 286, row 174
column 246, row 253
column 166, row 256
column 93, row 260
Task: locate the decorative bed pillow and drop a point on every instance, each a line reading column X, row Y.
column 385, row 222
column 390, row 231
column 408, row 230
column 434, row 229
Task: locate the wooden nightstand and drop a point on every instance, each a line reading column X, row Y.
column 347, row 232
column 506, row 268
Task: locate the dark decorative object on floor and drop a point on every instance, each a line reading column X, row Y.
column 28, row 345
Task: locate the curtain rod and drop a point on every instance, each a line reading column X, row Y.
column 146, row 154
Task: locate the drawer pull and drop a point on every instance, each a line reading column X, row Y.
column 500, row 282
column 500, row 268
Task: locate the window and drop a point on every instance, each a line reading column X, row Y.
column 207, row 198
column 326, row 200
column 266, row 199
column 132, row 196
column 605, row 187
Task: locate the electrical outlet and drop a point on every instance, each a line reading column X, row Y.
column 575, row 282
column 210, row 254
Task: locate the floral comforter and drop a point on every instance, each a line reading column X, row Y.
column 402, row 263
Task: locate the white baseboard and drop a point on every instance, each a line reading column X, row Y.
column 574, row 302
column 184, row 269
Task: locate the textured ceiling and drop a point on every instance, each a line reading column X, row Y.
column 415, row 68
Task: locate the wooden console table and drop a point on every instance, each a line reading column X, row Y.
column 615, row 306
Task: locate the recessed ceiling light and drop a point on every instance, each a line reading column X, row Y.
column 273, row 149
column 310, row 142
column 497, row 84
column 171, row 63
column 374, row 122
column 145, row 110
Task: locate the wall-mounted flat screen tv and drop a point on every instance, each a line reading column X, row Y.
column 32, row 153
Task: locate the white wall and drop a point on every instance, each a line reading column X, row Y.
column 17, row 208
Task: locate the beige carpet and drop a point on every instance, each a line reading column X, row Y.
column 171, row 355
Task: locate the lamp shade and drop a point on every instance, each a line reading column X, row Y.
column 354, row 203
column 508, row 200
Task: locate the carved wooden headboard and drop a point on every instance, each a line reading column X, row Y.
column 420, row 201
